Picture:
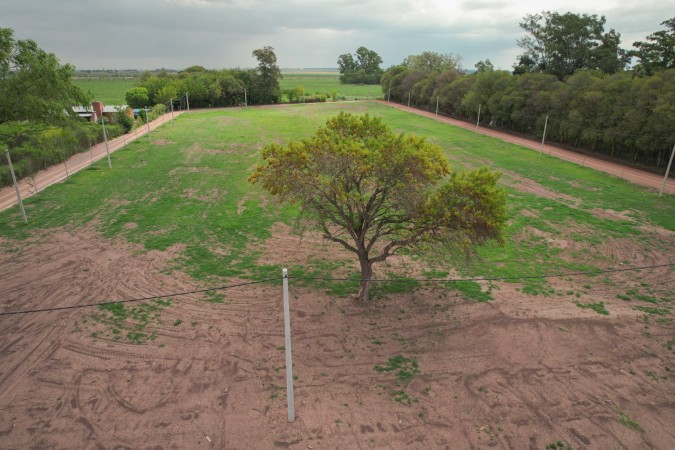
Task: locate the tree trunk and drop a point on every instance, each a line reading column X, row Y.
column 366, row 275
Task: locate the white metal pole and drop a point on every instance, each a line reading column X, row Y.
column 478, row 121
column 544, row 136
column 105, row 137
column 16, row 186
column 187, row 101
column 437, row 105
column 287, row 345
column 147, row 122
column 665, row 178
column 245, row 98
column 410, row 92
column 388, row 94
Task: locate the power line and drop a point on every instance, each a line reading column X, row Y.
column 401, row 280
column 454, row 280
column 154, row 297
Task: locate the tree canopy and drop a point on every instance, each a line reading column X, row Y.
column 34, row 85
column 560, row 44
column 375, row 192
column 658, row 52
column 433, row 62
column 361, row 68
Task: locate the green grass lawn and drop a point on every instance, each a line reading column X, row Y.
column 328, row 83
column 190, row 187
column 110, row 92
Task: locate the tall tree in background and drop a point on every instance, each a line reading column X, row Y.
column 560, row 44
column 433, row 62
column 658, row 52
column 266, row 78
column 33, row 84
column 375, row 192
column 361, row 68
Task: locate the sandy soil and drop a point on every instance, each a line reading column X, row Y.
column 518, row 372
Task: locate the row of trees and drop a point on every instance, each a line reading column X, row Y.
column 363, row 67
column 618, row 115
column 212, row 88
column 37, row 122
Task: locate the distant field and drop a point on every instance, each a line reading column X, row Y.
column 110, row 92
column 328, row 82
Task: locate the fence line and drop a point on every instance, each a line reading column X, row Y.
column 75, row 163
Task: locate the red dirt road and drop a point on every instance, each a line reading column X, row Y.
column 627, row 173
column 76, row 163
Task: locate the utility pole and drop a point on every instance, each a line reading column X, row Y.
column 105, row 137
column 16, row 186
column 544, row 136
column 665, row 178
column 478, row 121
column 187, row 101
column 409, row 92
column 245, row 98
column 147, row 122
column 437, row 105
column 287, row 345
column 388, row 94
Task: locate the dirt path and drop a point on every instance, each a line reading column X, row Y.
column 75, row 163
column 627, row 173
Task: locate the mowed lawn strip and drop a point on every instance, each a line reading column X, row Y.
column 189, row 187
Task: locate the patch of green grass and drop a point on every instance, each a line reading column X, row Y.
column 405, row 368
column 134, row 319
column 597, row 307
column 402, row 397
column 653, row 311
column 319, row 83
column 627, row 421
column 559, row 445
column 192, row 192
column 472, row 291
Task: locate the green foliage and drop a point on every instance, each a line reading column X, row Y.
column 433, row 62
column 355, row 177
column 472, row 290
column 137, row 97
column 658, row 52
column 620, row 116
column 561, row 44
column 34, row 85
column 133, row 319
column 361, row 68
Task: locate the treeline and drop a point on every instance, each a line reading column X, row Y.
column 35, row 146
column 211, row 88
column 618, row 115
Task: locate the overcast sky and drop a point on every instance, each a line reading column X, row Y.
column 148, row 34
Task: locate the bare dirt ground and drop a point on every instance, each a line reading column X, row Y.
column 627, row 173
column 518, row 372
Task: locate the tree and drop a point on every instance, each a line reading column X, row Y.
column 361, row 68
column 266, row 79
column 484, row 66
column 561, row 44
column 658, row 52
column 375, row 192
column 34, row 85
column 433, row 62
column 137, row 97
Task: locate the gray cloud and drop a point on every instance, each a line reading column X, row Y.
column 305, row 33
